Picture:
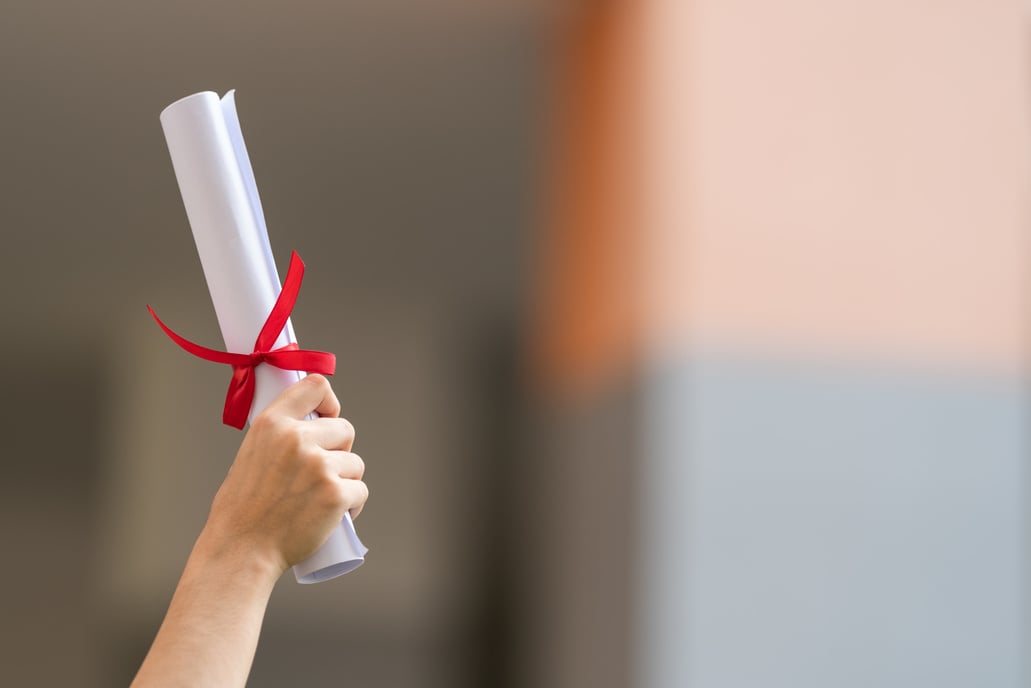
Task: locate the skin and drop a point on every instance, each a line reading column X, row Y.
column 288, row 488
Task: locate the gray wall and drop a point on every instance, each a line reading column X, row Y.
column 395, row 150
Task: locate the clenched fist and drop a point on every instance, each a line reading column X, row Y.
column 292, row 479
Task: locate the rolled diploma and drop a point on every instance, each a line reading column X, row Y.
column 221, row 198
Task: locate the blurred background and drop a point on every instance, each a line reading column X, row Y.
column 686, row 340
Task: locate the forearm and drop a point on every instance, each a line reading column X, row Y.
column 211, row 629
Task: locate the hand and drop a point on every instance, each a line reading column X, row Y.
column 291, row 482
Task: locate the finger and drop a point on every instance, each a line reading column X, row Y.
column 345, row 465
column 331, row 433
column 310, row 394
column 355, row 493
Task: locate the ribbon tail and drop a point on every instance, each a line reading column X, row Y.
column 197, row 350
column 239, row 397
column 284, row 305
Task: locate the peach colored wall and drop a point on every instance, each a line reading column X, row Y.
column 838, row 179
column 813, row 179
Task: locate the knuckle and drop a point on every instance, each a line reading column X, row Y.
column 327, row 493
column 263, row 423
column 342, row 432
column 359, row 466
column 290, row 437
column 333, row 401
column 317, row 380
column 358, row 495
column 311, row 458
column 294, row 433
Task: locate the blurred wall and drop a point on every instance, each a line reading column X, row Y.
column 394, row 146
column 792, row 314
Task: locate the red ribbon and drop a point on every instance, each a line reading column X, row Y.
column 289, row 357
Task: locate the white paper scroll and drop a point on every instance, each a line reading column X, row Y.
column 222, row 204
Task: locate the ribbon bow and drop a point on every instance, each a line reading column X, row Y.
column 290, row 357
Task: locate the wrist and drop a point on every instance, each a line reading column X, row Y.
column 216, row 555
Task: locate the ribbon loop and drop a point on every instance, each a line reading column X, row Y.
column 240, row 394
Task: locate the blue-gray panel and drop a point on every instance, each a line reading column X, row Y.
column 809, row 527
